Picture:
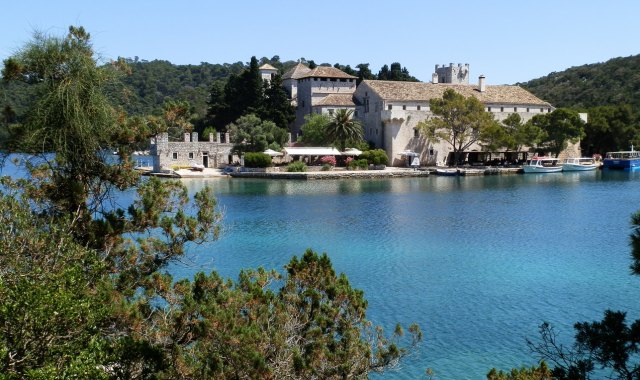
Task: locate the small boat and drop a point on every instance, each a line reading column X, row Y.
column 447, row 172
column 579, row 164
column 624, row 160
column 197, row 167
column 542, row 165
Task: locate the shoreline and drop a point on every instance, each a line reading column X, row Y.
column 389, row 172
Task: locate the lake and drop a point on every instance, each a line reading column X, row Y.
column 478, row 262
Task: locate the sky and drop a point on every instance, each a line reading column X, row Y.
column 506, row 41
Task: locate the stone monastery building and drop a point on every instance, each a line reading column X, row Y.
column 390, row 111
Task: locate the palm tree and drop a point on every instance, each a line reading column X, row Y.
column 343, row 128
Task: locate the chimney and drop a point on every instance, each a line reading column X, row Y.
column 434, row 78
column 481, row 86
column 186, row 137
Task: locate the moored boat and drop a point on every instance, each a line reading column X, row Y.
column 579, row 164
column 542, row 165
column 624, row 160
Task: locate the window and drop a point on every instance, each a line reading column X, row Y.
column 330, row 111
column 541, row 109
column 528, row 110
column 355, row 113
column 418, row 107
column 366, row 105
column 174, row 155
column 390, row 107
column 404, row 107
column 191, row 155
column 488, row 109
column 501, row 109
column 416, row 132
column 303, row 104
column 515, row 109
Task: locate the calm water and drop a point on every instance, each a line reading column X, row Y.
column 478, row 262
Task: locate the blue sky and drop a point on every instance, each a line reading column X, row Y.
column 507, row 41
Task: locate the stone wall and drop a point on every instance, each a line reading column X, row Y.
column 213, row 153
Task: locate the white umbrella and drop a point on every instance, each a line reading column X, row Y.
column 351, row 152
column 409, row 153
column 272, row 153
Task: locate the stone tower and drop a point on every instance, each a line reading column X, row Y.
column 452, row 74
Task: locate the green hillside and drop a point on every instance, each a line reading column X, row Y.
column 614, row 82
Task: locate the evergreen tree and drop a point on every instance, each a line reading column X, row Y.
column 276, row 105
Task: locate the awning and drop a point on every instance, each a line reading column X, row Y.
column 311, row 151
column 351, row 152
column 409, row 153
column 272, row 153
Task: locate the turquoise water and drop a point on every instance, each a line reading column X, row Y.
column 478, row 262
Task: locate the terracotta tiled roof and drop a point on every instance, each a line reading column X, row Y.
column 416, row 91
column 267, row 66
column 327, row 72
column 344, row 100
column 297, row 72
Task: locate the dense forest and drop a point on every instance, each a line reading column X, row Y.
column 611, row 83
column 152, row 83
column 609, row 92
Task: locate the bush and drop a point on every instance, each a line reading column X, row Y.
column 328, row 160
column 297, row 166
column 326, row 167
column 375, row 156
column 358, row 164
column 257, row 160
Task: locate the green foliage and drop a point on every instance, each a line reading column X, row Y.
column 314, row 130
column 611, row 83
column 395, row 73
column 297, row 166
column 257, row 160
column 375, row 156
column 343, row 129
column 541, row 372
column 610, row 129
column 358, row 164
column 84, row 291
column 245, row 94
column 560, row 127
column 459, row 121
column 251, row 134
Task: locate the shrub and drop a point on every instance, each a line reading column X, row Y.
column 328, row 160
column 375, row 156
column 257, row 160
column 326, row 167
column 358, row 164
column 297, row 166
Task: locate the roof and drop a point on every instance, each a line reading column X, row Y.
column 416, row 91
column 345, row 100
column 311, row 151
column 267, row 66
column 297, row 72
column 327, row 72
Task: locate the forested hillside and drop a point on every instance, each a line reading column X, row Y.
column 614, row 82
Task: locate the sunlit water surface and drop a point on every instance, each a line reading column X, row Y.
column 477, row 262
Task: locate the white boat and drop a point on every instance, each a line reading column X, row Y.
column 579, row 164
column 542, row 165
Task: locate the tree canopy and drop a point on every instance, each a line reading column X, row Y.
column 457, row 120
column 84, row 288
column 343, row 129
column 560, row 127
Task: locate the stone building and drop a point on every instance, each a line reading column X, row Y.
column 321, row 90
column 391, row 110
column 190, row 151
